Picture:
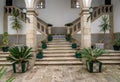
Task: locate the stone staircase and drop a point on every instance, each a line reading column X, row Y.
column 59, row 52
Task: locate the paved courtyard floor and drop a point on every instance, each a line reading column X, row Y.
column 66, row 74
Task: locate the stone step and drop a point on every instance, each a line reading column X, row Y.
column 109, row 58
column 49, row 50
column 5, row 63
column 58, row 59
column 58, row 63
column 56, row 52
column 59, row 55
column 57, row 43
column 111, row 62
column 61, row 48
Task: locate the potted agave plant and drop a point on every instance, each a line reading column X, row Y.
column 20, row 57
column 92, row 63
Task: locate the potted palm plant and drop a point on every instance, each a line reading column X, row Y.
column 16, row 24
column 5, row 42
column 20, row 57
column 39, row 54
column 91, row 55
column 105, row 26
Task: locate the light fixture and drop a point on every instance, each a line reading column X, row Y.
column 90, row 10
column 24, row 10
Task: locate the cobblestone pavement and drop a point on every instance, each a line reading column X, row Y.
column 66, row 74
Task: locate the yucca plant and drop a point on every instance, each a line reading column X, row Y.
column 105, row 26
column 2, row 73
column 20, row 56
column 16, row 24
column 92, row 54
column 93, row 65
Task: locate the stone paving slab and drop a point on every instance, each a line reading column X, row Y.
column 66, row 74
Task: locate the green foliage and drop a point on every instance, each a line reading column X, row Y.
column 40, row 54
column 5, row 39
column 78, row 54
column 16, row 24
column 105, row 26
column 19, row 54
column 92, row 55
column 117, row 42
column 2, row 72
column 74, row 45
column 50, row 37
column 50, row 25
column 68, row 37
column 68, row 24
column 44, row 42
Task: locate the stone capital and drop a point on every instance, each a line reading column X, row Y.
column 32, row 11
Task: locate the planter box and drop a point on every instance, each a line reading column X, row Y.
column 39, row 56
column 78, row 55
column 116, row 47
column 94, row 66
column 44, row 45
column 5, row 49
column 74, row 45
column 20, row 67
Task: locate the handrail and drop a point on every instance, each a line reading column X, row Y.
column 101, row 10
column 97, row 12
column 75, row 27
column 9, row 11
column 42, row 26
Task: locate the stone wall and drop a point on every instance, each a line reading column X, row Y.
column 97, row 38
column 22, row 39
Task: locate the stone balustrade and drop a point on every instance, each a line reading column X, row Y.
column 9, row 11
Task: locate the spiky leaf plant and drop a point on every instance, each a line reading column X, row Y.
column 92, row 55
column 3, row 71
column 19, row 54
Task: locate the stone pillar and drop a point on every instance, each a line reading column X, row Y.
column 49, row 30
column 31, row 27
column 68, row 30
column 111, row 28
column 85, row 24
column 85, row 29
column 31, row 33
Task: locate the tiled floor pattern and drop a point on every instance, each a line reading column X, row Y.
column 66, row 74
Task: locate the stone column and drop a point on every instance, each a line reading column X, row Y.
column 85, row 24
column 49, row 30
column 31, row 33
column 111, row 28
column 68, row 29
column 85, row 29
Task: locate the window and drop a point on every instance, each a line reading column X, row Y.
column 41, row 4
column 75, row 4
